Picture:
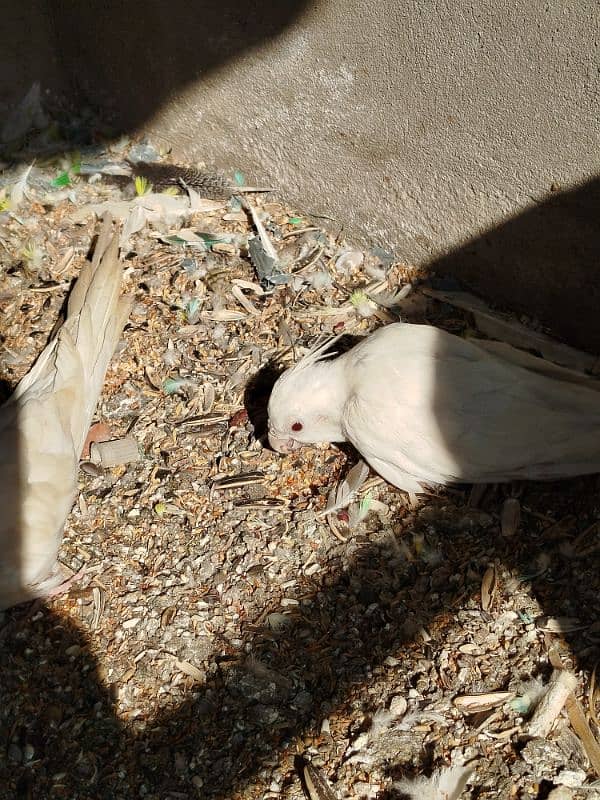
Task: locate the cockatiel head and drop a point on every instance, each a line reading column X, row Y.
column 307, row 401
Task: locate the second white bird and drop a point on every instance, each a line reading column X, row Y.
column 423, row 406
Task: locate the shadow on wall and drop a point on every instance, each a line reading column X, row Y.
column 124, row 60
column 544, row 262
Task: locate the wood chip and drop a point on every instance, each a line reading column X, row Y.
column 473, row 703
column 581, row 727
column 190, row 670
column 510, row 516
column 246, row 304
column 115, row 452
column 65, row 262
column 167, row 616
column 250, row 285
column 561, row 685
column 128, row 674
column 99, row 602
column 224, row 315
column 488, row 588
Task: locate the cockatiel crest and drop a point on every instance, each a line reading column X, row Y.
column 423, row 406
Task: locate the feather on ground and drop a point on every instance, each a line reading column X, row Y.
column 445, row 784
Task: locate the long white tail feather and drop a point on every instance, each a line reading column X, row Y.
column 44, row 424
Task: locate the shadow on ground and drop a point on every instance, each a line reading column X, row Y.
column 58, row 715
column 61, row 737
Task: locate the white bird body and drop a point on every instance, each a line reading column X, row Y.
column 44, row 424
column 423, row 406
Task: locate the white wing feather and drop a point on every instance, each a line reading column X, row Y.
column 44, row 424
column 429, row 405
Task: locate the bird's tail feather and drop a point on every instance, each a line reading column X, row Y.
column 521, row 358
column 96, row 315
column 77, row 359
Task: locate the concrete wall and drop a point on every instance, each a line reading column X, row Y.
column 424, row 127
column 417, row 122
column 462, row 135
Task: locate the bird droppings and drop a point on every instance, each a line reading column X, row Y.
column 240, row 608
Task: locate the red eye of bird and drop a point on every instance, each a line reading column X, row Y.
column 297, row 426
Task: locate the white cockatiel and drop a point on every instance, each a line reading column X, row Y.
column 423, row 406
column 43, row 427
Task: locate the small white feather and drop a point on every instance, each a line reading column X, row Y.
column 17, row 193
column 344, row 493
column 447, row 783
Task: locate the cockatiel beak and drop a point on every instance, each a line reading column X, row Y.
column 283, row 445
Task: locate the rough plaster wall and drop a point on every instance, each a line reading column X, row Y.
column 419, row 123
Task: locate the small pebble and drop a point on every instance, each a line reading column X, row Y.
column 572, row 778
column 226, row 248
column 398, row 705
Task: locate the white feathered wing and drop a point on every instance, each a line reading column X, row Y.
column 43, row 427
column 425, row 406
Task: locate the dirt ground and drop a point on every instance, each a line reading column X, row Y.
column 226, row 630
